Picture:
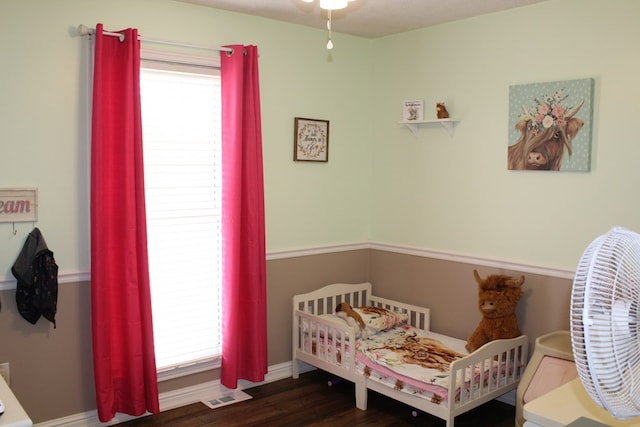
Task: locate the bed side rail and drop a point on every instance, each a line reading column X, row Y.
column 419, row 317
column 494, row 368
column 324, row 343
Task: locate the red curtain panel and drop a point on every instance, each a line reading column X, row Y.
column 244, row 336
column 123, row 353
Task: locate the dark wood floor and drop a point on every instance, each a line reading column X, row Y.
column 309, row 401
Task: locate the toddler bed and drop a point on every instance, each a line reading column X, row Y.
column 398, row 356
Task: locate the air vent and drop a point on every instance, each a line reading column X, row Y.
column 226, row 398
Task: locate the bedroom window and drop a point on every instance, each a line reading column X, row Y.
column 181, row 133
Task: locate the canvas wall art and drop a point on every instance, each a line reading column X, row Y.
column 550, row 126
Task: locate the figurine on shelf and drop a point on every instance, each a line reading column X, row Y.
column 442, row 111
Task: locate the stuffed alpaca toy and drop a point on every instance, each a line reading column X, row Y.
column 345, row 311
column 498, row 296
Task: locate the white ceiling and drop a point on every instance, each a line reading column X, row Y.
column 368, row 18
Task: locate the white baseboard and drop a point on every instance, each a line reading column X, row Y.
column 174, row 399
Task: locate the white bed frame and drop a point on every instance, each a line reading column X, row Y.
column 307, row 307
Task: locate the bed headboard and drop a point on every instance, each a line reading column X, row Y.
column 325, row 300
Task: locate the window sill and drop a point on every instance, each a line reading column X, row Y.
column 179, row 371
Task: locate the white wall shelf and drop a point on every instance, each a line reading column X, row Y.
column 414, row 125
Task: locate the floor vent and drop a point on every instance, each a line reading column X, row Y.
column 226, row 398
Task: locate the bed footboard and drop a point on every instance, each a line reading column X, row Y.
column 487, row 373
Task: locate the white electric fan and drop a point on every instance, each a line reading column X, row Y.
column 604, row 315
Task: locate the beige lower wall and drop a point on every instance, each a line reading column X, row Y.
column 51, row 369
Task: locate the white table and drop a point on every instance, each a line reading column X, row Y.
column 14, row 415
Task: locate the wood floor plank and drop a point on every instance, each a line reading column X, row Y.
column 310, row 402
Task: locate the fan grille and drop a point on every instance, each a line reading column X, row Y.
column 604, row 321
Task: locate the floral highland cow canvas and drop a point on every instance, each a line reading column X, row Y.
column 550, row 126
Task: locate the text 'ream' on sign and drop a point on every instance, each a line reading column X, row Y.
column 18, row 204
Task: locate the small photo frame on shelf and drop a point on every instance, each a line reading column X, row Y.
column 412, row 110
column 310, row 140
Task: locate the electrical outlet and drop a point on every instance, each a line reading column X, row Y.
column 4, row 371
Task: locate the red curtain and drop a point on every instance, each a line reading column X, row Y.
column 244, row 336
column 123, row 353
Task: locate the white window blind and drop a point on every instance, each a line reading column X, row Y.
column 182, row 157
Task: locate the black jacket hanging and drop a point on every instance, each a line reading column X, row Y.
column 37, row 274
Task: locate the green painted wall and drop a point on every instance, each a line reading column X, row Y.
column 381, row 183
column 45, row 110
column 456, row 194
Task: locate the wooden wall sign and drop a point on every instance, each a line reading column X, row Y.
column 18, row 204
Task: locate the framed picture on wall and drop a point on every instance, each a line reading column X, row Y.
column 550, row 126
column 310, row 140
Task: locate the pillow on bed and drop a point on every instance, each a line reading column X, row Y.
column 379, row 319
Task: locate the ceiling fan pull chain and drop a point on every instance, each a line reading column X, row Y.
column 329, row 43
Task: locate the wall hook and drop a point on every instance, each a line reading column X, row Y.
column 14, row 229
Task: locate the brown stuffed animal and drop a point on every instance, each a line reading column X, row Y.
column 498, row 296
column 441, row 111
column 344, row 310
